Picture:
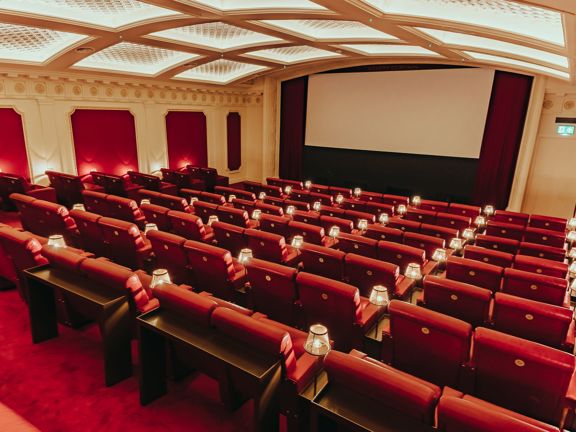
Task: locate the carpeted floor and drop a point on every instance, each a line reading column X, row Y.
column 58, row 386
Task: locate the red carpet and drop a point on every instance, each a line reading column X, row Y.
column 58, row 386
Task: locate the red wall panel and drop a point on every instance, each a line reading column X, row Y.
column 104, row 140
column 13, row 157
column 187, row 139
column 234, row 140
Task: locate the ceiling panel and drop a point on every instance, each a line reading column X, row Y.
column 220, row 71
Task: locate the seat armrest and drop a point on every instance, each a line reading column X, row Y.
column 369, row 315
column 307, row 366
column 152, row 304
column 403, row 287
column 387, row 353
column 568, row 343
column 420, row 299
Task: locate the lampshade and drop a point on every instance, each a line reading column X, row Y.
column 383, row 218
column 573, row 288
column 413, row 271
column 489, row 210
column 456, row 243
column 571, row 225
column 308, row 184
column 339, row 198
column 288, row 190
column 362, row 224
column 261, row 195
column 480, row 221
column 144, row 201
column 150, row 227
column 379, row 295
column 334, row 231
column 357, row 192
column 256, row 214
column 297, row 241
column 416, row 200
column 318, row 342
column 290, row 210
column 231, row 197
column 79, row 207
column 212, row 219
column 572, row 270
column 572, row 253
column 159, row 276
column 245, row 255
column 571, row 236
column 401, row 209
column 316, row 205
column 56, row 240
column 439, row 255
column 193, row 200
column 468, row 234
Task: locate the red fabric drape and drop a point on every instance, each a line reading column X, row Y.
column 187, row 139
column 293, row 127
column 13, row 157
column 104, row 140
column 234, row 140
column 502, row 137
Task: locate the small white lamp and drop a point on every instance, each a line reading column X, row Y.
column 150, row 227
column 318, row 342
column 413, row 271
column 334, row 231
column 316, row 206
column 262, row 195
column 571, row 237
column 572, row 270
column 231, row 197
column 290, row 210
column 401, row 209
column 572, row 253
column 439, row 255
column 79, row 207
column 573, row 288
column 468, row 234
column 245, row 255
column 297, row 241
column 193, row 200
column 56, row 240
column 144, row 201
column 456, row 244
column 339, row 198
column 308, row 184
column 357, row 192
column 480, row 221
column 489, row 210
column 379, row 295
column 159, row 276
column 416, row 200
column 288, row 190
column 362, row 224
column 212, row 219
column 256, row 213
column 571, row 224
column 383, row 218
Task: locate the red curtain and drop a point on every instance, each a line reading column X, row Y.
column 104, row 140
column 234, row 140
column 293, row 127
column 502, row 137
column 187, row 139
column 13, row 157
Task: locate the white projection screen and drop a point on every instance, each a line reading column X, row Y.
column 439, row 112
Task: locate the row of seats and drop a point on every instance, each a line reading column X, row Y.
column 181, row 179
column 113, row 184
column 15, row 183
column 113, row 206
column 208, row 175
column 152, row 182
column 69, row 188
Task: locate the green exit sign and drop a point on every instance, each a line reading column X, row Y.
column 565, row 130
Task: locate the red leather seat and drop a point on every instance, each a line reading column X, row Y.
column 229, row 237
column 239, row 193
column 422, row 241
column 189, row 226
column 273, row 290
column 402, row 255
column 172, row 202
column 271, row 247
column 299, row 205
column 182, row 180
column 210, row 176
column 451, row 220
column 323, row 261
column 336, row 190
column 353, row 204
column 311, row 233
column 544, row 323
column 542, row 251
column 95, row 202
column 16, row 184
column 235, row 216
column 427, row 344
column 301, row 195
column 421, row 216
column 548, row 223
column 328, row 222
column 357, row 244
column 204, row 210
column 339, row 307
column 404, row 224
column 275, row 224
column 436, row 206
column 368, row 197
column 186, row 304
column 511, row 217
column 269, row 208
column 318, row 188
column 546, row 289
column 470, row 211
column 522, row 375
column 377, row 208
column 213, row 198
column 324, row 198
column 395, row 200
column 390, row 389
column 356, row 215
column 91, row 234
column 170, row 254
column 544, row 236
column 506, row 230
column 497, row 243
column 332, row 211
column 379, row 232
column 213, row 269
column 158, row 215
column 308, row 217
column 243, row 204
column 275, row 181
column 489, row 256
column 275, row 201
column 124, row 209
column 439, row 231
column 541, row 266
column 256, row 188
column 151, row 182
column 364, row 273
column 124, row 243
column 116, row 184
column 69, row 187
column 474, row 272
column 457, row 299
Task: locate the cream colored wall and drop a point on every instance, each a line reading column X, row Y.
column 46, row 106
column 551, row 185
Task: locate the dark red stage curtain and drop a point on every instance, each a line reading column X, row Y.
column 234, row 140
column 187, row 139
column 13, row 157
column 502, row 137
column 293, row 127
column 104, row 140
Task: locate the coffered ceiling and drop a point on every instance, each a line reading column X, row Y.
column 230, row 41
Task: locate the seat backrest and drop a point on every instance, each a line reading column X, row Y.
column 377, row 208
column 331, row 211
column 497, row 243
column 213, row 198
column 312, row 233
column 90, row 231
column 521, row 375
column 186, row 304
column 542, row 251
column 204, row 210
column 149, row 181
column 544, row 236
column 53, row 219
column 114, row 184
column 506, row 230
column 380, row 232
column 324, row 198
column 353, row 204
column 187, row 225
column 534, row 286
column 272, row 289
column 266, row 246
column 474, row 272
column 328, row 222
column 96, row 202
column 158, row 215
column 437, row 206
column 439, row 231
column 173, row 202
column 275, row 224
column 541, row 266
column 68, row 187
column 511, row 217
column 229, row 237
column 464, row 210
column 457, row 299
column 357, row 244
column 233, row 216
column 404, row 224
column 451, row 220
column 180, row 179
column 12, row 183
column 370, row 197
column 419, row 215
column 239, row 193
column 170, row 254
column 390, row 389
column 18, row 251
column 27, row 212
column 400, row 254
column 395, row 200
column 298, row 205
column 123, row 240
column 243, row 204
column 364, row 273
column 323, row 261
column 428, row 344
column 124, row 208
column 489, row 256
column 548, row 223
column 422, row 241
column 357, row 215
column 269, row 208
column 308, row 217
column 532, row 320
